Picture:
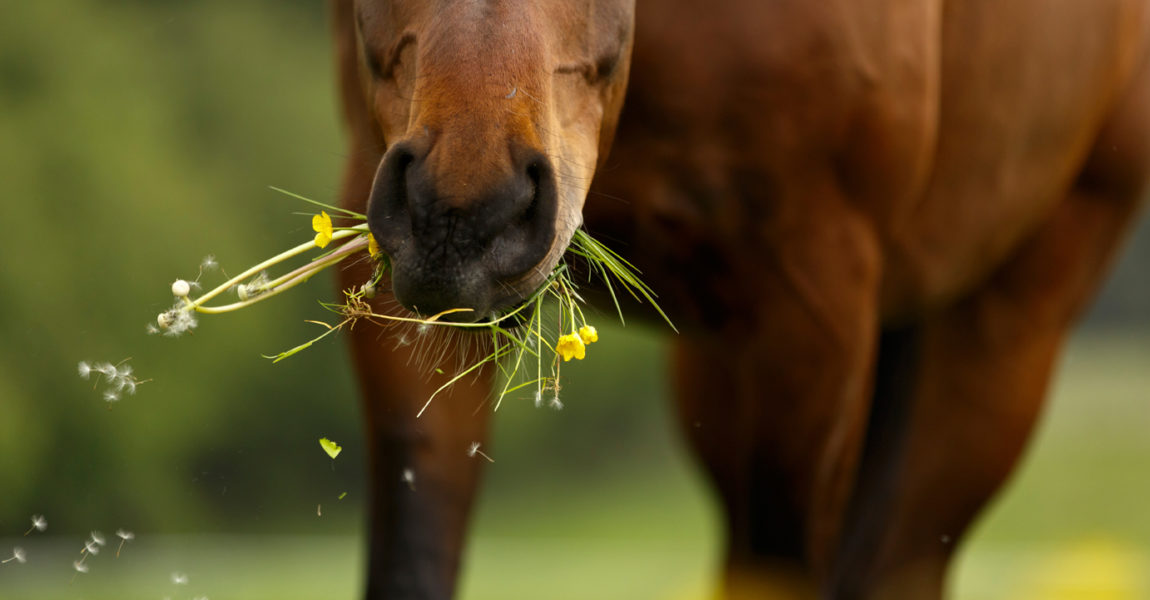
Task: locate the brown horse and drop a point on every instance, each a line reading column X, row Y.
column 873, row 220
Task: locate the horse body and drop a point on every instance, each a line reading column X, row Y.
column 874, row 222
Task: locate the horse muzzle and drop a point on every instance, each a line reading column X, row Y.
column 463, row 243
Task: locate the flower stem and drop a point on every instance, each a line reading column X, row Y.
column 283, row 283
column 275, row 260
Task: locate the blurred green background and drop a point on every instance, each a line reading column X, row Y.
column 137, row 137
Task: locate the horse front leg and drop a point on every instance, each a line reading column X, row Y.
column 775, row 404
column 422, row 479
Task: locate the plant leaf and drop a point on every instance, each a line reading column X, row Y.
column 333, row 449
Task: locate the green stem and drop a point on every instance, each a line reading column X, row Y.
column 296, row 277
column 275, row 260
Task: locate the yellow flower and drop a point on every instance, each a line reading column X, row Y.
column 321, row 223
column 588, row 334
column 571, row 346
column 372, row 246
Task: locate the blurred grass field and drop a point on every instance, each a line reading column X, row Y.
column 138, row 136
column 1073, row 524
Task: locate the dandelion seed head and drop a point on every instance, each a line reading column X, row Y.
column 80, row 566
column 84, row 369
column 176, row 320
column 181, row 288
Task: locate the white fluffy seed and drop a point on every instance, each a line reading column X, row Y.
column 181, row 288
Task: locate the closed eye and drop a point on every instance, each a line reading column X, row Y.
column 593, row 71
column 384, row 68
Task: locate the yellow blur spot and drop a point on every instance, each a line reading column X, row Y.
column 1087, row 569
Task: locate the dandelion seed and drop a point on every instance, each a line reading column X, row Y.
column 538, row 398
column 125, row 537
column 111, row 396
column 106, row 369
column 555, row 403
column 84, row 369
column 176, row 320
column 409, row 478
column 209, row 263
column 180, row 578
column 39, row 523
column 97, row 538
column 422, row 329
column 17, row 555
column 91, row 548
column 130, row 387
column 80, row 566
column 474, row 450
column 151, row 329
column 254, row 287
column 181, row 288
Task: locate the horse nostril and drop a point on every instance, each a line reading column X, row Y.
column 388, row 208
column 532, row 192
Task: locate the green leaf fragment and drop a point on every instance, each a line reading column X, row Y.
column 333, row 449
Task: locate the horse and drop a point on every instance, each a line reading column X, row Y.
column 874, row 223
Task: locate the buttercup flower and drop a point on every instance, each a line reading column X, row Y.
column 321, row 223
column 571, row 346
column 373, row 246
column 588, row 334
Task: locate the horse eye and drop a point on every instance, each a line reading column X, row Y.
column 605, row 65
column 373, row 64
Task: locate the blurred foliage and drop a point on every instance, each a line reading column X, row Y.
column 137, row 137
